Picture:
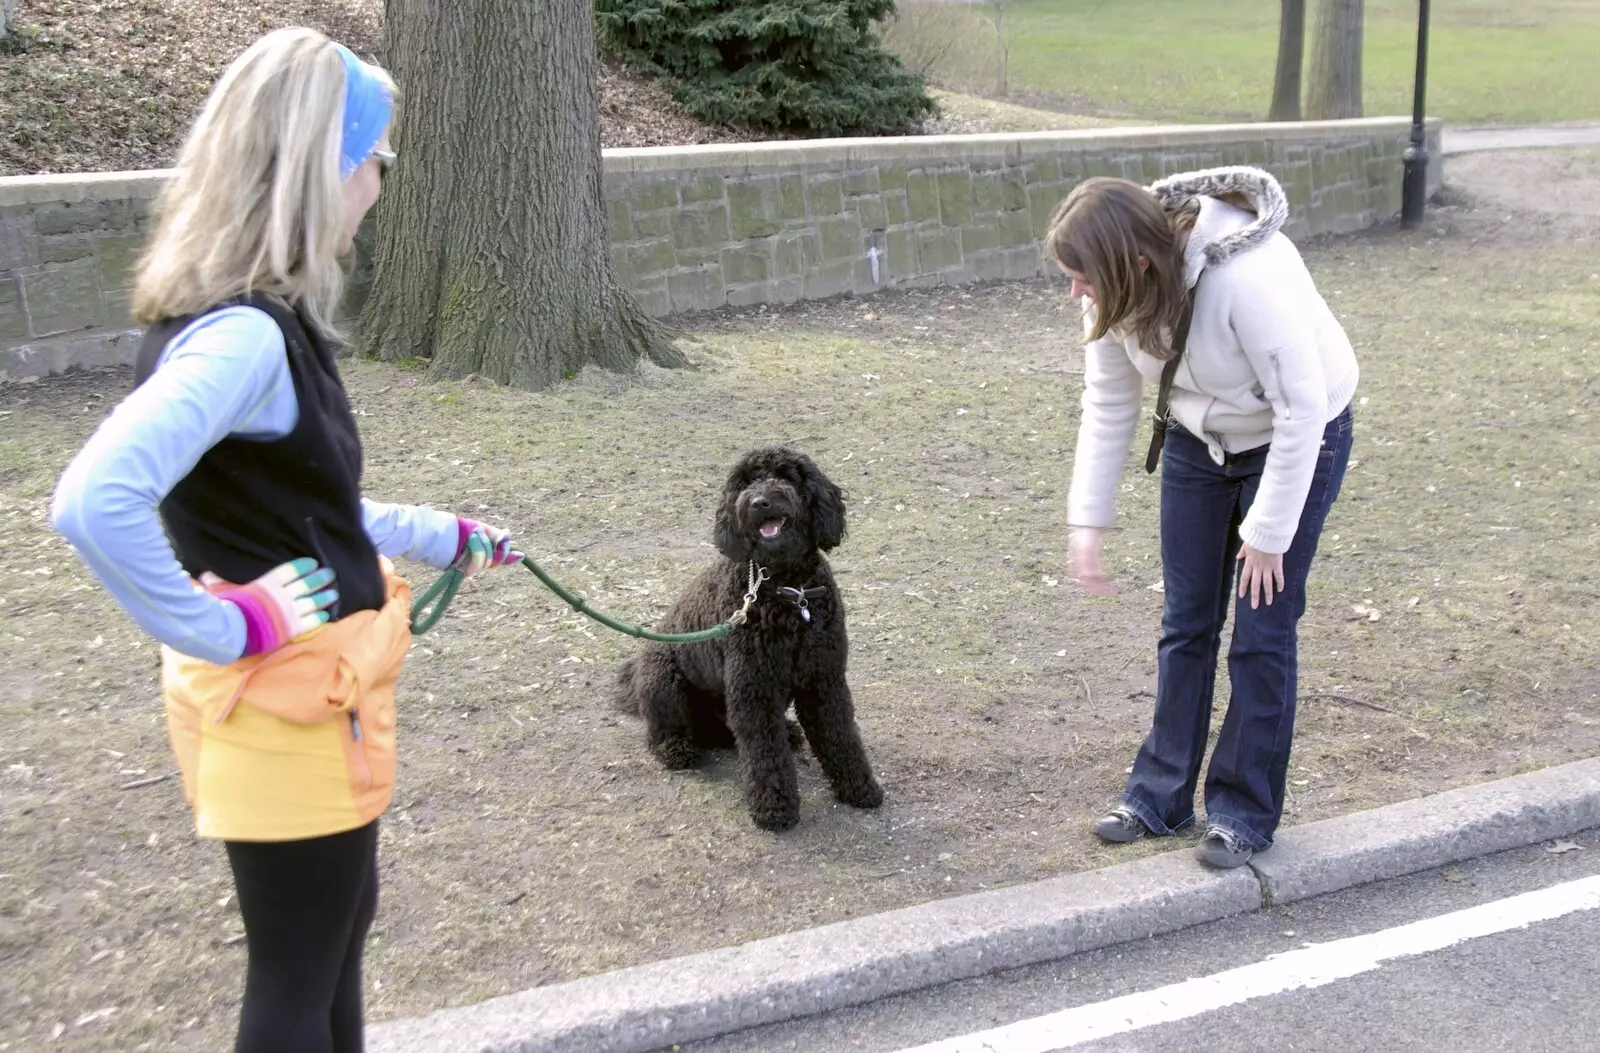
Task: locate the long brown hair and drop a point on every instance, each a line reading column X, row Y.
column 1101, row 230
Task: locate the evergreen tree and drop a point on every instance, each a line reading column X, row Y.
column 791, row 66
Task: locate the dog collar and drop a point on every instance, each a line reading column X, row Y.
column 798, row 597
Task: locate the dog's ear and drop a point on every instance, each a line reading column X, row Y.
column 726, row 534
column 826, row 502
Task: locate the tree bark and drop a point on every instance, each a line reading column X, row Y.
column 1334, row 91
column 8, row 15
column 1291, row 57
column 493, row 251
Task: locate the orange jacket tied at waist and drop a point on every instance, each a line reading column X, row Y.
column 298, row 742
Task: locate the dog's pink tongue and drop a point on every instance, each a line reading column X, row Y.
column 771, row 529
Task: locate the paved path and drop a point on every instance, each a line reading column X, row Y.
column 1471, row 140
column 1494, row 954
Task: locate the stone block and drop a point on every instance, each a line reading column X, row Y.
column 1013, row 190
column 619, row 221
column 1005, row 231
column 901, row 246
column 792, row 198
column 862, row 181
column 653, row 297
column 140, row 211
column 987, row 266
column 892, row 177
column 980, row 237
column 710, row 256
column 1016, row 228
column 1139, row 168
column 830, row 279
column 753, row 208
column 1043, row 200
column 922, row 197
column 19, row 246
column 648, row 195
column 840, row 237
column 701, row 289
column 700, row 188
column 1044, row 170
column 873, row 213
column 700, row 228
column 938, row 250
column 645, row 259
column 64, row 248
column 1025, row 263
column 652, row 225
column 955, row 198
column 83, row 217
column 988, row 193
column 811, row 249
column 788, row 256
column 747, row 263
column 750, row 295
column 13, row 319
column 896, row 211
column 119, row 255
column 63, row 298
column 788, row 290
column 824, row 196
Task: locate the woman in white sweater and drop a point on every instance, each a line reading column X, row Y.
column 1190, row 285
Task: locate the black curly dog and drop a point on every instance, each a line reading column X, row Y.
column 780, row 513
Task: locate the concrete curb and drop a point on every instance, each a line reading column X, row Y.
column 649, row 1007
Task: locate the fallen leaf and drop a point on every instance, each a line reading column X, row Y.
column 1563, row 847
column 1454, row 876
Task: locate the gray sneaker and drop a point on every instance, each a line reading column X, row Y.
column 1221, row 849
column 1119, row 826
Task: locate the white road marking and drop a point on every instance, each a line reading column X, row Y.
column 1293, row 970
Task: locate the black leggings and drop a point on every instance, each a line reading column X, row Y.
column 307, row 906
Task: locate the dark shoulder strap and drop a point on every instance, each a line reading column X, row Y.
column 1180, row 342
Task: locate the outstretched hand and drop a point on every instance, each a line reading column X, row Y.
column 484, row 547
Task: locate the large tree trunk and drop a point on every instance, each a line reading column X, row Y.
column 1335, row 88
column 1291, row 54
column 492, row 253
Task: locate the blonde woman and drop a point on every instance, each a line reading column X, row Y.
column 1191, row 285
column 284, row 626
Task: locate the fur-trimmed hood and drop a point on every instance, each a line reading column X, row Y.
column 1250, row 189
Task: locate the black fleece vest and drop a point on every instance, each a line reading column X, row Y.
column 250, row 505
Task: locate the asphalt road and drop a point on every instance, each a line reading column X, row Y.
column 1529, row 987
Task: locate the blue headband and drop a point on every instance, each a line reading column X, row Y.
column 367, row 108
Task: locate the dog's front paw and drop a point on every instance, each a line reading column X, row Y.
column 676, row 754
column 779, row 818
column 866, row 794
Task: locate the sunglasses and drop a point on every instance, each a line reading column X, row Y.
column 385, row 159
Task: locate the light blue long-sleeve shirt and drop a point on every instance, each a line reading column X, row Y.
column 227, row 373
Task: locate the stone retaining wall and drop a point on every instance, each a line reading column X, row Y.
column 701, row 227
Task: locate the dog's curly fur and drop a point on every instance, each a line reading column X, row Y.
column 735, row 691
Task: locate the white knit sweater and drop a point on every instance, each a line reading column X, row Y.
column 1266, row 362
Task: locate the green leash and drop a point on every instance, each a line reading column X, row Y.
column 427, row 611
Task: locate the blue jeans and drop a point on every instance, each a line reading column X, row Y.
column 1202, row 505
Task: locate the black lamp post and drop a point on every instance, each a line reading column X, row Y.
column 1414, row 190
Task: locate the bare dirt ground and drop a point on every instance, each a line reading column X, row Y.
column 1450, row 639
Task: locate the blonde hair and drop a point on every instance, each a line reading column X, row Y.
column 256, row 204
column 1101, row 230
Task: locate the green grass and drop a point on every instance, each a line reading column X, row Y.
column 1192, row 61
